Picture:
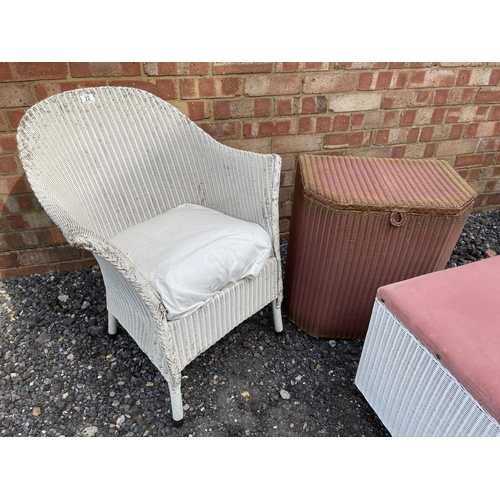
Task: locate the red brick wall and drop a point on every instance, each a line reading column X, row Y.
column 449, row 111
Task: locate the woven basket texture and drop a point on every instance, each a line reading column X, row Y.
column 413, row 394
column 103, row 159
column 361, row 223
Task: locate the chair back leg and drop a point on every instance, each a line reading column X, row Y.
column 278, row 319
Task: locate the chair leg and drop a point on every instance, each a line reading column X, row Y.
column 176, row 399
column 112, row 324
column 278, row 320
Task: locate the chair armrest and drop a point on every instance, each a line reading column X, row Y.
column 241, row 183
column 112, row 254
column 238, row 183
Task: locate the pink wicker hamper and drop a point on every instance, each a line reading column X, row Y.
column 361, row 223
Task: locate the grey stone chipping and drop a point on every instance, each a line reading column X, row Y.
column 61, row 374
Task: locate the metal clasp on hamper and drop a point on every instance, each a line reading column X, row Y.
column 398, row 218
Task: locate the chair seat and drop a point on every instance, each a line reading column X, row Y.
column 455, row 314
column 191, row 252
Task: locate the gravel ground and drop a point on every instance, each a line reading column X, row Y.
column 62, row 375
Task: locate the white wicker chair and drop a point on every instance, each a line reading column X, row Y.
column 103, row 159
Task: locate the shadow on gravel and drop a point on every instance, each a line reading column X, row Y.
column 61, row 374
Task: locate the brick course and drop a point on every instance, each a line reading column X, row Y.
column 93, row 69
column 176, row 69
column 20, row 72
column 14, row 96
column 444, row 110
column 194, row 88
column 360, row 101
column 165, row 88
column 272, row 85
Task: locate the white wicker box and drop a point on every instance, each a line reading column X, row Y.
column 410, row 390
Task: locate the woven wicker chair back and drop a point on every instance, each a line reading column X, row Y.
column 111, row 157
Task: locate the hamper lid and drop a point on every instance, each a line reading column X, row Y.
column 385, row 184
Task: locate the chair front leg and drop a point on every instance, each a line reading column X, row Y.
column 176, row 400
column 278, row 319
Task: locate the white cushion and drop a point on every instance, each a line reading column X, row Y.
column 191, row 252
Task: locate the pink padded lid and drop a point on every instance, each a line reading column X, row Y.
column 422, row 185
column 455, row 313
